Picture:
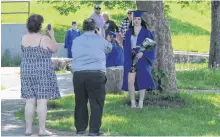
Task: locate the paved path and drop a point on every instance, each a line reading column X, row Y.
column 11, row 102
column 10, row 79
column 11, row 126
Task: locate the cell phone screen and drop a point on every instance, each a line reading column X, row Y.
column 49, row 27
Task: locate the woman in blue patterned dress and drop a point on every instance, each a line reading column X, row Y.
column 38, row 78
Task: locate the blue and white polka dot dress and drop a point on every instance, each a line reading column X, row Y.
column 38, row 78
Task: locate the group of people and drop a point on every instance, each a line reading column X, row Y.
column 108, row 30
column 89, row 52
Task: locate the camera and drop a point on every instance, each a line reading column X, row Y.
column 96, row 30
column 49, row 27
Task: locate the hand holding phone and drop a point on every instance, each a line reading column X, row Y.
column 50, row 31
column 49, row 27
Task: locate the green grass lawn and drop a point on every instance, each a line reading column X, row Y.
column 192, row 15
column 190, row 29
column 191, row 43
column 61, row 71
column 198, row 79
column 190, row 66
column 197, row 76
column 200, row 116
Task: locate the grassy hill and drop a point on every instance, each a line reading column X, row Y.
column 190, row 29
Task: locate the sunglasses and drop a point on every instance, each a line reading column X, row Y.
column 98, row 8
column 129, row 13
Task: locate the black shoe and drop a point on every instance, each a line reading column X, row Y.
column 100, row 133
column 80, row 132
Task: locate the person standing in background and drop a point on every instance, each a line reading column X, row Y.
column 71, row 34
column 99, row 20
column 124, row 26
column 109, row 24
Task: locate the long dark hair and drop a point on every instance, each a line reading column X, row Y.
column 143, row 24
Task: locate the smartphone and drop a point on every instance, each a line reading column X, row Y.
column 96, row 30
column 49, row 27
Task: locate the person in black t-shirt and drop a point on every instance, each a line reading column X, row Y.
column 109, row 24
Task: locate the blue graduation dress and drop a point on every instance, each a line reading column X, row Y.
column 115, row 57
column 120, row 56
column 144, row 78
column 112, row 56
column 70, row 36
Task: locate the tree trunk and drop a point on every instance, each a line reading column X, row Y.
column 158, row 25
column 114, row 80
column 214, row 53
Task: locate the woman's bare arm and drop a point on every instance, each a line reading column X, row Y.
column 50, row 42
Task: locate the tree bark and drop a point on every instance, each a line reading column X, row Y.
column 158, row 25
column 214, row 53
column 114, row 80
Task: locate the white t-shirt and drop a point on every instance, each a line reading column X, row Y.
column 133, row 41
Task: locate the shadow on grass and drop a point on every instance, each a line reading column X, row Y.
column 199, row 116
column 156, row 99
column 198, row 79
column 60, row 31
column 177, row 27
column 199, row 110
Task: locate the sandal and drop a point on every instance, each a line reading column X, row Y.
column 133, row 104
column 46, row 133
column 28, row 134
column 140, row 105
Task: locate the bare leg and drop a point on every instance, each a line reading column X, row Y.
column 29, row 115
column 141, row 98
column 42, row 116
column 131, row 88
